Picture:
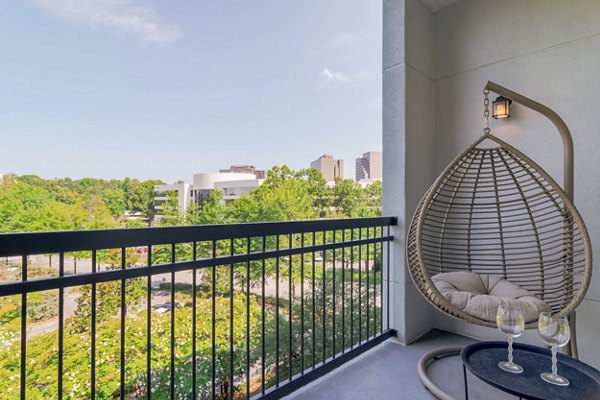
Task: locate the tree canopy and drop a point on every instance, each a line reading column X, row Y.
column 29, row 203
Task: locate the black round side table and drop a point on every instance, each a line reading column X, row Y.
column 481, row 359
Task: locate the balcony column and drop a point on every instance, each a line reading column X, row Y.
column 408, row 146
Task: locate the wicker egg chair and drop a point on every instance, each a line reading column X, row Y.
column 494, row 211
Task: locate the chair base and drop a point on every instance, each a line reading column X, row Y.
column 424, row 363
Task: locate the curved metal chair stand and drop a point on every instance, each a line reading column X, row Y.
column 424, row 363
column 494, row 211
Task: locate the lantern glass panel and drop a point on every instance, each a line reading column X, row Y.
column 501, row 108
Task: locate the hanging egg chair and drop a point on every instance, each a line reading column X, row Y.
column 495, row 228
column 495, row 213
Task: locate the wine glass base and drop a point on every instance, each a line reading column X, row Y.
column 554, row 379
column 510, row 367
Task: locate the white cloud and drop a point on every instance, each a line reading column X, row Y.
column 120, row 15
column 354, row 61
column 334, row 76
column 356, row 78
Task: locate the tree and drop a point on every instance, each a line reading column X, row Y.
column 212, row 211
column 171, row 212
column 30, row 203
column 63, row 190
column 349, row 199
column 374, row 193
column 33, row 180
column 114, row 198
column 319, row 192
column 136, row 223
column 107, row 298
column 41, row 371
column 284, row 196
column 141, row 197
column 25, row 208
column 126, row 185
column 98, row 215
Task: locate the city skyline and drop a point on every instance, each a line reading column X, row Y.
column 90, row 92
column 260, row 172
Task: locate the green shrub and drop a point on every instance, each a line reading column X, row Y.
column 42, row 353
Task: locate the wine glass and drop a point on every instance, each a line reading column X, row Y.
column 511, row 322
column 555, row 332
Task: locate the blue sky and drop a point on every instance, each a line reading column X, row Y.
column 166, row 89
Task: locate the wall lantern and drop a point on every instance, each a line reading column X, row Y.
column 501, row 108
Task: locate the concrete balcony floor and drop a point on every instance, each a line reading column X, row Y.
column 389, row 371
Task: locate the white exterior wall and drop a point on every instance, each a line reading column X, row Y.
column 206, row 181
column 234, row 189
column 183, row 194
column 434, row 68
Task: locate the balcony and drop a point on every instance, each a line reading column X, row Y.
column 320, row 309
column 222, row 311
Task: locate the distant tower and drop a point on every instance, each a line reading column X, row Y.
column 369, row 166
column 246, row 169
column 329, row 167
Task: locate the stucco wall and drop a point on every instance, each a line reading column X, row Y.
column 548, row 51
column 434, row 68
column 408, row 144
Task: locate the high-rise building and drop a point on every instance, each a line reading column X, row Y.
column 369, row 167
column 245, row 169
column 329, row 167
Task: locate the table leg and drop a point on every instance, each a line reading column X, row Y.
column 466, row 387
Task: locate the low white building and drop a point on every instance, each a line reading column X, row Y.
column 232, row 184
column 234, row 189
column 183, row 191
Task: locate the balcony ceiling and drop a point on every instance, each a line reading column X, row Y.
column 437, row 5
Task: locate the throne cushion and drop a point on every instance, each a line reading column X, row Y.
column 480, row 295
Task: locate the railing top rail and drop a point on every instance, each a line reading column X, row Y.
column 15, row 244
column 57, row 282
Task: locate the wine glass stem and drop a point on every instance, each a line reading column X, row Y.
column 554, row 368
column 510, row 357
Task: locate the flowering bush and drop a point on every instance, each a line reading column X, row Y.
column 42, row 353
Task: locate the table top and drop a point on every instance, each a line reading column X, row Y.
column 482, row 358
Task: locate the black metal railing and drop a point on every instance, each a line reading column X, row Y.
column 220, row 311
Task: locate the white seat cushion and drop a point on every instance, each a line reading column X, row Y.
column 480, row 295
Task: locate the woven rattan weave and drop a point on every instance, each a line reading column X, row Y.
column 495, row 211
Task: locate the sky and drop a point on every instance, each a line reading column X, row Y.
column 165, row 89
